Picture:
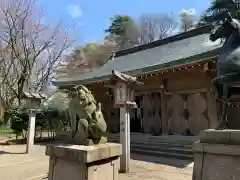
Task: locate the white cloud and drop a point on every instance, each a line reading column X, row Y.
column 188, row 12
column 74, row 10
column 188, row 17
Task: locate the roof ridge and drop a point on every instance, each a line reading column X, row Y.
column 184, row 35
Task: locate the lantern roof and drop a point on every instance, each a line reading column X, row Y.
column 118, row 76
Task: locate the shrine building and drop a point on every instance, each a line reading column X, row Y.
column 176, row 97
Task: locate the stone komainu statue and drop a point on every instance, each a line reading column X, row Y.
column 86, row 115
column 227, row 82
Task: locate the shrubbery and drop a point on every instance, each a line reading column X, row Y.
column 52, row 115
column 46, row 118
column 19, row 121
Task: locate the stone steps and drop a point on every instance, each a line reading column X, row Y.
column 163, row 154
column 174, row 139
column 174, row 147
column 162, row 148
column 155, row 144
column 159, row 144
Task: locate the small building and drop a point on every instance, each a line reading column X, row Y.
column 32, row 100
column 176, row 97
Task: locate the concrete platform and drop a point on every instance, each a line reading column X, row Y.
column 217, row 155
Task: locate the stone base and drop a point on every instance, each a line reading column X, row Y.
column 96, row 162
column 217, row 155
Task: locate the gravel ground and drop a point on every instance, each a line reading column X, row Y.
column 16, row 165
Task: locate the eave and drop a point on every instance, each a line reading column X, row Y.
column 200, row 58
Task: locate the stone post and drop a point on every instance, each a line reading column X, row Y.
column 31, row 130
column 125, row 138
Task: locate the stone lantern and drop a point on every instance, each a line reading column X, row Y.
column 124, row 89
column 32, row 102
column 124, row 98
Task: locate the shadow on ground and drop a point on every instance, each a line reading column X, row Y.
column 42, row 178
column 5, row 152
column 153, row 159
column 23, row 141
column 162, row 160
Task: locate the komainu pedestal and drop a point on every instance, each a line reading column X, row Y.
column 217, row 155
column 79, row 162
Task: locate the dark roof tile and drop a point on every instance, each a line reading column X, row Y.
column 140, row 61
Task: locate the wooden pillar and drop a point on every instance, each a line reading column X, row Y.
column 164, row 113
column 31, row 130
column 125, row 138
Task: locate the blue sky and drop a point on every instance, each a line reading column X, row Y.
column 89, row 18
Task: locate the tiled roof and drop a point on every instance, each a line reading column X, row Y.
column 180, row 49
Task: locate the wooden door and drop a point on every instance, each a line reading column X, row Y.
column 187, row 111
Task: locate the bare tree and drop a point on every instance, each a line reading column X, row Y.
column 87, row 58
column 31, row 50
column 129, row 38
column 155, row 27
column 188, row 18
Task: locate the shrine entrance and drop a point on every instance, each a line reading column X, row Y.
column 135, row 117
column 148, row 113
